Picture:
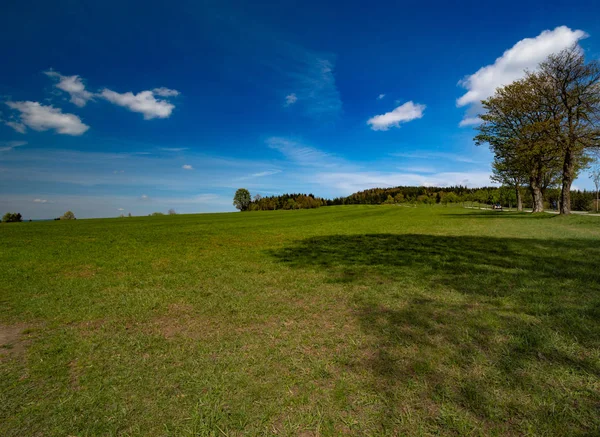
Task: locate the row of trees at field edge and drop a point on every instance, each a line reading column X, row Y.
column 15, row 217
column 506, row 196
column 543, row 129
column 244, row 202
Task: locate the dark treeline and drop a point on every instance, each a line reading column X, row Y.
column 506, row 196
column 286, row 201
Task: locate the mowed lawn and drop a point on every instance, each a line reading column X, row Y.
column 355, row 320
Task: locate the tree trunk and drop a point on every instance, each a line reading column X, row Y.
column 519, row 200
column 567, row 180
column 537, row 197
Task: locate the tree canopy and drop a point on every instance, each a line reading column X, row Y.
column 541, row 128
column 242, row 199
column 12, row 217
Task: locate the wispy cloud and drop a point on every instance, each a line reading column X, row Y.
column 18, row 127
column 173, row 149
column 265, row 173
column 165, row 92
column 6, row 146
column 314, row 81
column 402, row 114
column 42, row 201
column 512, row 65
column 437, row 155
column 73, row 85
column 350, row 182
column 300, row 153
column 187, row 167
column 416, row 169
column 380, row 96
column 41, row 118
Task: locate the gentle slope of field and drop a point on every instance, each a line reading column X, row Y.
column 343, row 320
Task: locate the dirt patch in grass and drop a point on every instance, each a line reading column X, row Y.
column 13, row 340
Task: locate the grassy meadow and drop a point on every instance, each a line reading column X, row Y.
column 350, row 320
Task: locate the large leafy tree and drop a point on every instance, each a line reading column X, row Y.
column 242, row 199
column 571, row 95
column 517, row 128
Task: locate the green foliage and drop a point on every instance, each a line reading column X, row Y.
column 286, row 201
column 350, row 320
column 12, row 217
column 242, row 199
column 542, row 127
column 68, row 216
column 156, row 214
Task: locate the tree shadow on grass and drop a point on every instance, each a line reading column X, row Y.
column 490, row 336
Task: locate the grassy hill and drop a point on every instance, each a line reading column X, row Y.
column 351, row 320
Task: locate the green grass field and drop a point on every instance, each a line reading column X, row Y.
column 357, row 320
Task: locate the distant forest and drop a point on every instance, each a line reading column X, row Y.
column 580, row 200
column 506, row 196
column 286, row 201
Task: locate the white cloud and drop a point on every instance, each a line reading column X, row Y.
column 72, row 85
column 41, row 118
column 120, row 209
column 6, row 146
column 144, row 102
column 187, row 167
column 40, row 200
column 290, row 99
column 19, row 127
column 469, row 121
column 380, row 96
column 165, row 92
column 144, row 197
column 524, row 55
column 402, row 114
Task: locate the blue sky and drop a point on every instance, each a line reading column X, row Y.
column 116, row 107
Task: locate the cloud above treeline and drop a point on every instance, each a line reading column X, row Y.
column 512, row 65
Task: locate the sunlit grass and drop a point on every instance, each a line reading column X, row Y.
column 343, row 320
